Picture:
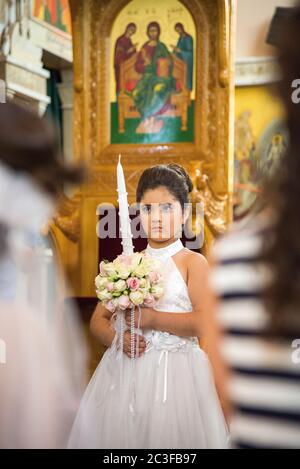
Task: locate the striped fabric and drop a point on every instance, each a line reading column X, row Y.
column 265, row 384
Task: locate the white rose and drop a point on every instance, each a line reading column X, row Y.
column 101, row 282
column 136, row 297
column 157, row 291
column 109, row 269
column 140, row 271
column 147, row 263
column 120, row 285
column 104, row 295
column 123, row 272
column 136, row 259
column 117, row 263
column 144, row 285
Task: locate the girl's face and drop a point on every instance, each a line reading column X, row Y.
column 161, row 215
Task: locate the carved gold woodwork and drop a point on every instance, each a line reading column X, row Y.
column 67, row 217
column 214, row 206
column 212, row 148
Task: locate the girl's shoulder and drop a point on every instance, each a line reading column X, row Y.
column 194, row 259
column 190, row 263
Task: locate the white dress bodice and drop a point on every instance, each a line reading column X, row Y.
column 174, row 300
column 176, row 297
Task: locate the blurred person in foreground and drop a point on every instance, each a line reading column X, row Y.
column 253, row 311
column 42, row 353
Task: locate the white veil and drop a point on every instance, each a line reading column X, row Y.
column 42, row 351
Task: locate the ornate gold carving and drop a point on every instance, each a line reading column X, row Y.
column 214, row 206
column 67, row 218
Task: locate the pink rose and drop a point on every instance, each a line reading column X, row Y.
column 149, row 300
column 110, row 286
column 154, row 277
column 133, row 283
column 124, row 302
column 110, row 305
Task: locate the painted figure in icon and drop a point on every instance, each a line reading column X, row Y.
column 124, row 49
column 152, row 93
column 184, row 50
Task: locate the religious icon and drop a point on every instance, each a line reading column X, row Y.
column 53, row 12
column 153, row 83
column 255, row 159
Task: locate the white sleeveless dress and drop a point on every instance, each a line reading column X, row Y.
column 176, row 405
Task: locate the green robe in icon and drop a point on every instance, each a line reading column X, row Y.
column 152, row 93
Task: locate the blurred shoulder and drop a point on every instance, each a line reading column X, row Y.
column 195, row 260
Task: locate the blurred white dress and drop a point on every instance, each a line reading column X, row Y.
column 42, row 353
column 175, row 404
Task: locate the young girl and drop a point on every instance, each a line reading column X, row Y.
column 176, row 404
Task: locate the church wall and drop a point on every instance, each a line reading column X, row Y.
column 253, row 19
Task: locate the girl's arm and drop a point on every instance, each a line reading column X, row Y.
column 100, row 325
column 186, row 324
column 101, row 328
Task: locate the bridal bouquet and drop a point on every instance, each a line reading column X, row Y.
column 129, row 281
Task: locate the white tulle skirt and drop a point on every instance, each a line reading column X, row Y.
column 167, row 399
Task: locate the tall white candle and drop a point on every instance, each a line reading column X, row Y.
column 125, row 226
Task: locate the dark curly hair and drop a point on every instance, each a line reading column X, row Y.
column 281, row 250
column 172, row 176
